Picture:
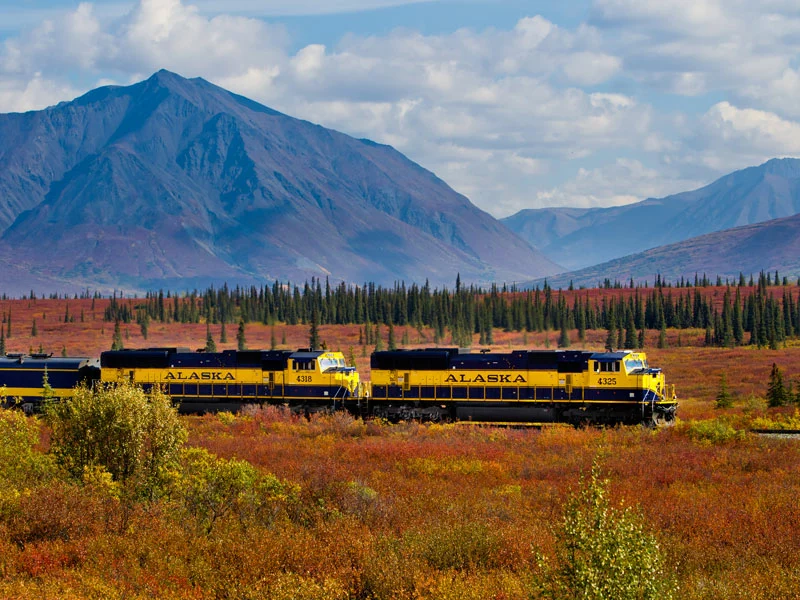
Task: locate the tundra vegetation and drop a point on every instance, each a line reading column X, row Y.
column 115, row 496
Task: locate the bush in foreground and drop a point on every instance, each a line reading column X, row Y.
column 134, row 436
column 603, row 552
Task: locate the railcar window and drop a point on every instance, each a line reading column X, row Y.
column 609, row 367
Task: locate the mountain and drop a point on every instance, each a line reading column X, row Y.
column 768, row 246
column 178, row 183
column 578, row 238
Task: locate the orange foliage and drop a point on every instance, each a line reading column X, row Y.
column 413, row 511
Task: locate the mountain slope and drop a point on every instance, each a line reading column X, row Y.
column 769, row 246
column 582, row 237
column 176, row 182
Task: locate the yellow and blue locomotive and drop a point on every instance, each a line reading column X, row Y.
column 532, row 386
column 23, row 377
column 306, row 380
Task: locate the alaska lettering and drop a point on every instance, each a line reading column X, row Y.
column 462, row 378
column 205, row 376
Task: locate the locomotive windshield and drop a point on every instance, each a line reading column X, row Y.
column 635, row 364
column 330, row 363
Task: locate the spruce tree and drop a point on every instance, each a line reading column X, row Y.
column 34, row 329
column 313, row 332
column 144, row 325
column 211, row 346
column 241, row 341
column 776, row 391
column 724, row 398
column 662, row 335
column 563, row 339
column 630, row 333
column 272, row 341
column 223, row 335
column 611, row 339
column 391, row 343
column 47, row 390
column 581, row 322
column 116, row 340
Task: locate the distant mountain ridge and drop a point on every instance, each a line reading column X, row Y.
column 177, row 183
column 578, row 238
column 749, row 249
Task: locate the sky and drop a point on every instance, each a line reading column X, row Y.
column 514, row 103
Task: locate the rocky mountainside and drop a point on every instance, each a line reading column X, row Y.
column 577, row 238
column 178, row 183
column 768, row 246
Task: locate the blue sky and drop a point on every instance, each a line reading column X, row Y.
column 515, row 103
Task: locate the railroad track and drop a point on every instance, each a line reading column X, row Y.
column 785, row 433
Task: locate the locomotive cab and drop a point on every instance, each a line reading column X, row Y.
column 322, row 374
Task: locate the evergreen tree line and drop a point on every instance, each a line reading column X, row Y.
column 748, row 315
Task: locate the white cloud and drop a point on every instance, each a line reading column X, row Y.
column 729, row 138
column 692, row 47
column 283, row 8
column 587, row 68
column 601, row 186
column 780, row 93
column 21, row 95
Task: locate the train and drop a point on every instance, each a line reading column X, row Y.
column 25, row 379
column 576, row 387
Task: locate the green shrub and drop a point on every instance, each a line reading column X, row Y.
column 785, row 422
column 134, row 436
column 21, row 464
column 714, row 431
column 460, row 546
column 211, row 489
column 604, row 552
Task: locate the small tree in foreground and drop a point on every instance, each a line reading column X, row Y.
column 605, row 552
column 133, row 436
